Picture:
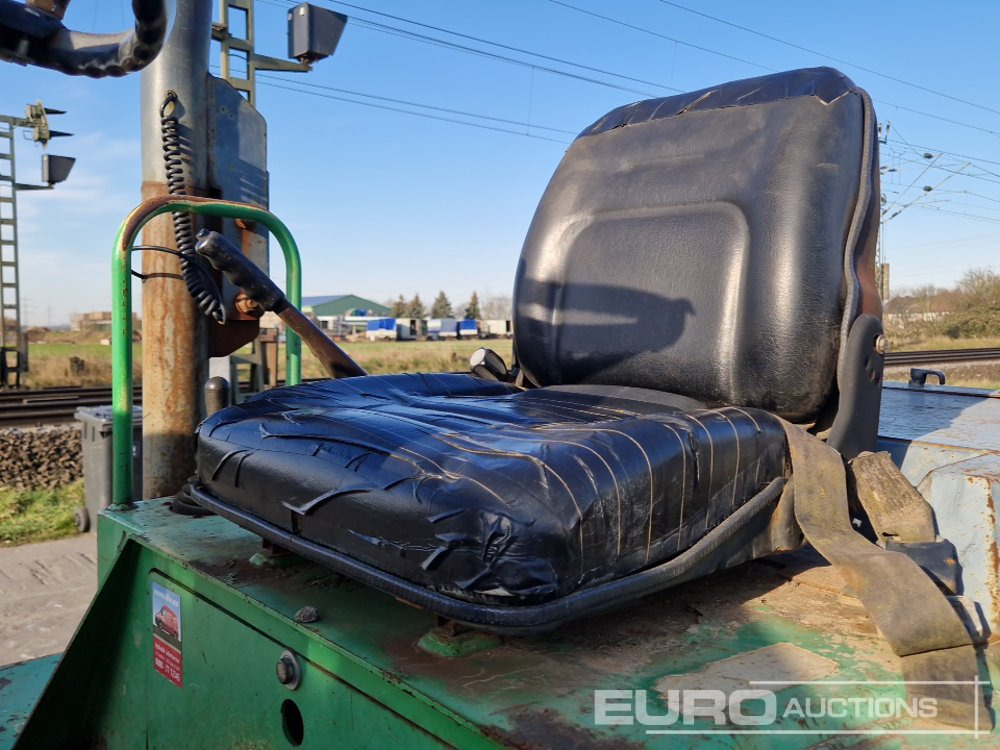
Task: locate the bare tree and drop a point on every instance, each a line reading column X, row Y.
column 497, row 306
column 979, row 289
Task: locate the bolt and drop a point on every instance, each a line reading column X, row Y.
column 247, row 306
column 881, row 344
column 287, row 670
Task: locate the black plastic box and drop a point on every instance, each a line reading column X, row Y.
column 313, row 33
column 95, row 433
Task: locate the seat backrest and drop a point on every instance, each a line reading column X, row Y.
column 717, row 244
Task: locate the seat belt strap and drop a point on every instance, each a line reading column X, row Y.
column 909, row 610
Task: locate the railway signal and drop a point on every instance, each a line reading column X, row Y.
column 54, row 169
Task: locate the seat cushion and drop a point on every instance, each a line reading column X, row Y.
column 484, row 491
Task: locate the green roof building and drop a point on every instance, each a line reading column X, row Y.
column 342, row 314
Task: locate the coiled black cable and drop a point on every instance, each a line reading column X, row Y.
column 197, row 276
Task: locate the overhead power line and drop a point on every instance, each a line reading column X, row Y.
column 650, row 32
column 661, row 36
column 976, row 217
column 980, row 159
column 974, row 195
column 415, row 36
column 923, row 194
column 938, row 117
column 404, row 102
column 428, row 115
column 508, row 47
column 905, row 190
column 426, row 39
column 949, row 169
column 840, row 60
column 951, row 241
column 919, row 150
column 385, row 103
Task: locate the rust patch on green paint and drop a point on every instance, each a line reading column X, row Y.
column 439, row 642
column 545, row 729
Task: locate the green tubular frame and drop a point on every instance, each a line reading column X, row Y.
column 121, row 314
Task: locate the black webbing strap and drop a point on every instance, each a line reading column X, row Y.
column 912, row 614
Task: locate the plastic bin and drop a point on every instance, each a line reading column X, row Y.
column 95, row 434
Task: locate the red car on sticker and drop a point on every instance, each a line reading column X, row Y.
column 166, row 620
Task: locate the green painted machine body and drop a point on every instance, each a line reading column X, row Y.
column 369, row 679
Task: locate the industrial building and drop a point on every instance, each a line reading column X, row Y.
column 343, row 314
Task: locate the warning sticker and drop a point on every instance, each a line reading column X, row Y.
column 167, row 634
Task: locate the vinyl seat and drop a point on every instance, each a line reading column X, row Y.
column 699, row 268
column 484, row 491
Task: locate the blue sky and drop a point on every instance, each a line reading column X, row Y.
column 384, row 202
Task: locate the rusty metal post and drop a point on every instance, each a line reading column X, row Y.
column 174, row 334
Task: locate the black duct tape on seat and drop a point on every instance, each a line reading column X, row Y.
column 483, row 491
column 721, row 547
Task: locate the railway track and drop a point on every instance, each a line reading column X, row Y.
column 941, row 356
column 25, row 408
column 28, row 408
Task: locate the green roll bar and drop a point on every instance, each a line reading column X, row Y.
column 121, row 315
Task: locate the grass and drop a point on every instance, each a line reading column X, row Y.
column 50, row 362
column 383, row 357
column 30, row 516
column 38, row 515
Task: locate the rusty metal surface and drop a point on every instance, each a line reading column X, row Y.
column 174, row 362
column 237, row 169
column 538, row 692
column 175, row 339
column 963, row 497
column 967, row 419
column 335, row 360
column 947, row 442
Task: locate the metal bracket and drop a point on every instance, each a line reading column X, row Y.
column 242, row 48
column 855, row 427
column 918, row 377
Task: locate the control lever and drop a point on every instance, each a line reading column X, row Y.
column 241, row 271
column 489, row 365
column 918, row 377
